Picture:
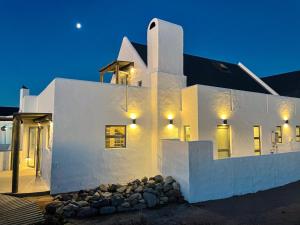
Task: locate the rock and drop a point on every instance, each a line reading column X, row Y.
column 66, row 197
column 137, row 196
column 176, row 186
column 117, row 200
column 96, row 194
column 169, row 180
column 51, row 207
column 150, row 198
column 87, row 211
column 173, row 193
column 129, row 189
column 70, row 210
column 150, row 190
column 107, row 210
column 60, row 210
column 106, row 194
column 75, row 196
column 144, row 180
column 167, row 187
column 82, row 203
column 58, row 197
column 122, row 189
column 125, row 205
column 112, row 188
column 100, row 203
column 158, row 179
column 159, row 187
column 134, row 198
column 103, row 188
column 150, row 184
column 164, row 199
column 139, row 189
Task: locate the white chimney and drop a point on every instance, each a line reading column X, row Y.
column 165, row 47
column 24, row 91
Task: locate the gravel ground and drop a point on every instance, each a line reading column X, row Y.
column 279, row 206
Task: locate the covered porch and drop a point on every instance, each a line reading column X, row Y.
column 27, row 151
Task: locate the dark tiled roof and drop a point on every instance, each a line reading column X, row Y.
column 8, row 111
column 212, row 72
column 286, row 84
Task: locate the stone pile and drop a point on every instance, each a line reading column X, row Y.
column 111, row 198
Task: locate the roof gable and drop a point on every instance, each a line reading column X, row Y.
column 210, row 72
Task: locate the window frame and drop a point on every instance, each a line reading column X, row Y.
column 279, row 134
column 116, row 136
column 297, row 136
column 257, row 138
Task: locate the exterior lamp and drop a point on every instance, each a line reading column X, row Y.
column 286, row 121
column 133, row 123
column 3, row 128
column 225, row 122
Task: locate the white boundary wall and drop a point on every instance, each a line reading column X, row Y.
column 202, row 178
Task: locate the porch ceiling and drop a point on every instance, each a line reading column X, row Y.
column 34, row 117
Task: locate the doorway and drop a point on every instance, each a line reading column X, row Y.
column 223, row 141
column 33, row 157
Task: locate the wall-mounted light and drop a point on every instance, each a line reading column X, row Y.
column 286, row 121
column 133, row 121
column 224, row 122
column 4, row 128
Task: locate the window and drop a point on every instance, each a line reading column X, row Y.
column 298, row 133
column 187, row 133
column 115, row 136
column 223, row 141
column 279, row 134
column 257, row 140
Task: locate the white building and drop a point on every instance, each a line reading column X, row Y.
column 215, row 126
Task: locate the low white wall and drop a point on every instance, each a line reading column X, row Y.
column 211, row 179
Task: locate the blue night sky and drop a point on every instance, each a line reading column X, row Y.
column 39, row 41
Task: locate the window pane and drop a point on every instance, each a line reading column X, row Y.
column 115, row 136
column 256, row 131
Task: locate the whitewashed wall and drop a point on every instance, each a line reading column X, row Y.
column 82, row 109
column 128, row 53
column 243, row 110
column 210, row 179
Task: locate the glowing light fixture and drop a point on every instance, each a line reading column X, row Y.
column 224, row 122
column 4, row 128
column 286, row 121
column 132, row 70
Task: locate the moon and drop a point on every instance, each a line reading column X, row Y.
column 78, row 26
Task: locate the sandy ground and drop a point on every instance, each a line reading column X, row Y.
column 279, row 206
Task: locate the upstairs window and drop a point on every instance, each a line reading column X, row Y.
column 115, row 136
column 279, row 134
column 298, row 133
